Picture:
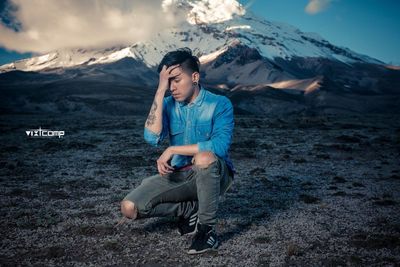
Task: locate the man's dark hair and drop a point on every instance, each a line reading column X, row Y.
column 183, row 56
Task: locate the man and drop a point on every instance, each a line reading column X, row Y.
column 195, row 169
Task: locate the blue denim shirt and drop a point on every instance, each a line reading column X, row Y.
column 207, row 121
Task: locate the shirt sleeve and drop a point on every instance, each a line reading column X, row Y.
column 221, row 136
column 153, row 138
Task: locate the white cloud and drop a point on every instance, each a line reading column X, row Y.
column 205, row 11
column 214, row 11
column 316, row 6
column 48, row 25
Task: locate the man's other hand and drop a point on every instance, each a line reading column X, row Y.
column 162, row 162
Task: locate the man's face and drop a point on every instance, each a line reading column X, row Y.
column 181, row 85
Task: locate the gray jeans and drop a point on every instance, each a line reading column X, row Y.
column 182, row 192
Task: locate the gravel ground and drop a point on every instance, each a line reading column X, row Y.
column 310, row 191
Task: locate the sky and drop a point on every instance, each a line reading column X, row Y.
column 368, row 27
column 37, row 26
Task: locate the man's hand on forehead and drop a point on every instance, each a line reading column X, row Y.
column 167, row 74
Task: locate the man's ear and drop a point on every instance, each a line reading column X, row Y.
column 195, row 76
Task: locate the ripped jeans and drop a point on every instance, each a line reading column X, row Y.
column 180, row 193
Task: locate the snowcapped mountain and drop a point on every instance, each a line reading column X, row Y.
column 240, row 53
column 271, row 40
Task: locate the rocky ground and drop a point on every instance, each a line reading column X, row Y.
column 310, row 191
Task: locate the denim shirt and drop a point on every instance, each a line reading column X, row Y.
column 207, row 121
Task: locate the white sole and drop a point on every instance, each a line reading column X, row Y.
column 213, row 248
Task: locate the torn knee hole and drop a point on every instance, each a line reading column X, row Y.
column 204, row 159
column 205, row 165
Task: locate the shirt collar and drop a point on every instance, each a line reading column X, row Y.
column 199, row 98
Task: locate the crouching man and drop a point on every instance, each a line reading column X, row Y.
column 196, row 168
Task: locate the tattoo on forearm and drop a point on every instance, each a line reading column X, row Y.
column 152, row 116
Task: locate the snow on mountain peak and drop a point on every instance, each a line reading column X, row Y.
column 206, row 11
column 212, row 56
column 237, row 27
column 214, row 11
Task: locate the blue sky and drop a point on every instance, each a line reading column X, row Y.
column 365, row 26
column 368, row 27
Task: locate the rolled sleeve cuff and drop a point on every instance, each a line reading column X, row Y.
column 151, row 137
column 205, row 146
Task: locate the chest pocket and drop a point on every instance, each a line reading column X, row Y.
column 203, row 132
column 176, row 132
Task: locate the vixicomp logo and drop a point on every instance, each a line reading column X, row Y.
column 44, row 133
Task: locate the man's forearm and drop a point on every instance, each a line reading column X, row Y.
column 187, row 150
column 154, row 119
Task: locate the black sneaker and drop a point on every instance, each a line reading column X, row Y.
column 204, row 240
column 188, row 226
